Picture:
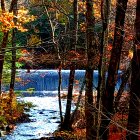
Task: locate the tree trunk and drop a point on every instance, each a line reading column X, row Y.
column 13, row 66
column 4, row 43
column 90, row 44
column 108, row 97
column 2, row 54
column 78, row 101
column 105, row 10
column 89, row 114
column 67, row 120
column 59, row 96
column 75, row 12
column 2, row 6
column 124, row 78
column 102, row 68
column 134, row 104
column 67, row 125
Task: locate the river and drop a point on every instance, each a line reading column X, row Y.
column 40, row 88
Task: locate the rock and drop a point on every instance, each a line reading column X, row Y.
column 24, row 118
column 57, row 122
column 10, row 127
column 53, row 117
column 41, row 112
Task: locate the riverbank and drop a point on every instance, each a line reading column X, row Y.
column 12, row 112
column 44, row 119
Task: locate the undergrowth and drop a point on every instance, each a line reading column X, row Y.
column 11, row 110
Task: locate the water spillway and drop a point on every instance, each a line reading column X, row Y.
column 47, row 80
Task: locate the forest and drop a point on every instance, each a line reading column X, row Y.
column 70, row 70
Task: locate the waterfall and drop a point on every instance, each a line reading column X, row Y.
column 47, row 80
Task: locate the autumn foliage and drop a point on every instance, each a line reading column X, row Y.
column 7, row 20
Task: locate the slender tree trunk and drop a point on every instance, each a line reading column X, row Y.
column 2, row 6
column 2, row 53
column 124, row 78
column 108, row 97
column 13, row 66
column 134, row 104
column 105, row 10
column 90, row 44
column 102, row 68
column 67, row 125
column 89, row 114
column 75, row 11
column 4, row 42
column 67, row 120
column 78, row 101
column 59, row 96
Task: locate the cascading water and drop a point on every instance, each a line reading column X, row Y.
column 47, row 80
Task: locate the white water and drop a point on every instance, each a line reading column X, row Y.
column 44, row 119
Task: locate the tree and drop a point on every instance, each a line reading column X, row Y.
column 13, row 65
column 4, row 41
column 6, row 18
column 105, row 11
column 108, row 96
column 67, row 120
column 90, row 44
column 59, row 94
column 134, row 103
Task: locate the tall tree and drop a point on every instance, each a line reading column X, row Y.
column 13, row 63
column 67, row 124
column 134, row 104
column 13, row 66
column 59, row 94
column 108, row 96
column 105, row 10
column 67, row 120
column 90, row 44
column 4, row 40
column 3, row 46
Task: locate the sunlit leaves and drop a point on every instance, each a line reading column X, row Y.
column 130, row 54
column 83, row 27
column 26, row 57
column 34, row 40
column 7, row 23
column 6, row 20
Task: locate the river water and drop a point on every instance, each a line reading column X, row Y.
column 44, row 119
column 40, row 88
